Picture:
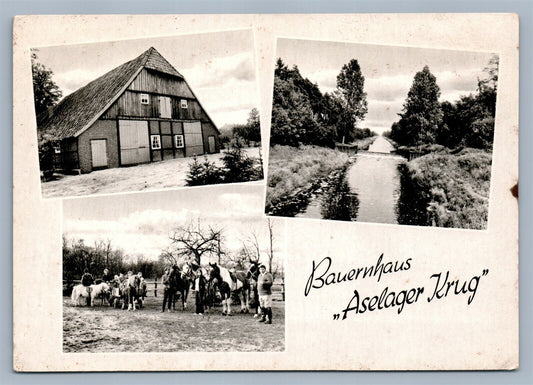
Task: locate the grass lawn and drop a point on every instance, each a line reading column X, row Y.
column 452, row 190
column 291, row 168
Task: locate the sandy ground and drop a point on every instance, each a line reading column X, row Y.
column 105, row 329
column 145, row 177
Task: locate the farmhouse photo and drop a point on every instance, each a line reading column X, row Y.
column 382, row 134
column 147, row 114
column 173, row 271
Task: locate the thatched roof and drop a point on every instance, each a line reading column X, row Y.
column 77, row 111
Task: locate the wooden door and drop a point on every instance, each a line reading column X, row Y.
column 212, row 147
column 194, row 143
column 165, row 110
column 99, row 152
column 134, row 142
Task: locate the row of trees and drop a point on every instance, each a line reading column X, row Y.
column 78, row 256
column 248, row 133
column 467, row 122
column 301, row 114
column 192, row 242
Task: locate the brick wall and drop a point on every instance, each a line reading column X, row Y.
column 101, row 129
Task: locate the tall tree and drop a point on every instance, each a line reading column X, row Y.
column 46, row 92
column 350, row 84
column 195, row 241
column 422, row 113
column 254, row 127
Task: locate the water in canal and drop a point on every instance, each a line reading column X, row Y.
column 375, row 179
column 375, row 182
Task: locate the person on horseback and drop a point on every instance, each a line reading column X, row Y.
column 264, row 288
column 87, row 280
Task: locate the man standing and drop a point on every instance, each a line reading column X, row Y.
column 87, row 280
column 167, row 291
column 107, row 277
column 264, row 289
column 131, row 290
column 199, row 288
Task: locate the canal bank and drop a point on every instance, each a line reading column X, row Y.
column 366, row 189
column 446, row 189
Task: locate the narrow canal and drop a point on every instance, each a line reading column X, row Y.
column 372, row 188
column 375, row 179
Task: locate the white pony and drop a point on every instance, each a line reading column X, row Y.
column 80, row 291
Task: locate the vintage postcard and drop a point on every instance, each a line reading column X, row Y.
column 381, row 234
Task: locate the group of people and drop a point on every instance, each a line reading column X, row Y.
column 132, row 289
column 171, row 282
column 129, row 287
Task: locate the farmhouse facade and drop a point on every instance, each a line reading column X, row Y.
column 142, row 111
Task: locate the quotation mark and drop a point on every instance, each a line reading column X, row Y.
column 485, row 272
column 336, row 317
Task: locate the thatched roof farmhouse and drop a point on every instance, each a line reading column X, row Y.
column 142, row 111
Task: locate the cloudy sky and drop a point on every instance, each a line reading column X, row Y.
column 388, row 72
column 218, row 66
column 142, row 223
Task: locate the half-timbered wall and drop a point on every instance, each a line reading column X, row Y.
column 183, row 108
column 129, row 105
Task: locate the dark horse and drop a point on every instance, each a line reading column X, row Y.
column 181, row 282
column 227, row 283
column 253, row 274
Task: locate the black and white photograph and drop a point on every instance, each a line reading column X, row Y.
column 147, row 114
column 383, row 134
column 166, row 272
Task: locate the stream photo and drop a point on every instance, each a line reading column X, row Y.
column 382, row 134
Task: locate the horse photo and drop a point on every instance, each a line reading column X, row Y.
column 252, row 275
column 181, row 280
column 94, row 291
column 229, row 283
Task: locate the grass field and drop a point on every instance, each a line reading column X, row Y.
column 291, row 168
column 105, row 329
column 447, row 190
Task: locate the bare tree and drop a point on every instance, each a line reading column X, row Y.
column 271, row 249
column 194, row 241
column 166, row 258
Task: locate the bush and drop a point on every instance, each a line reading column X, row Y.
column 203, row 173
column 238, row 167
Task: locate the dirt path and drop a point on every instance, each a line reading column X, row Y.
column 144, row 177
column 104, row 329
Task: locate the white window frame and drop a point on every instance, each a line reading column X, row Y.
column 143, row 97
column 57, row 149
column 158, row 146
column 183, row 103
column 176, row 141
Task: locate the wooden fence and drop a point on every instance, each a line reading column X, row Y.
column 155, row 287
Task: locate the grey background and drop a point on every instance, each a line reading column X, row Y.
column 524, row 8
